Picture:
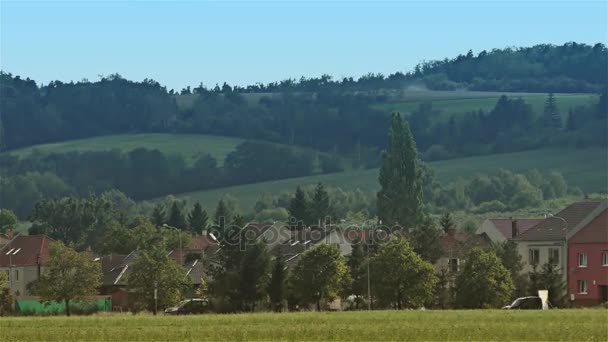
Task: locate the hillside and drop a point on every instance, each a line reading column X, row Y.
column 582, row 168
column 188, row 145
column 460, row 102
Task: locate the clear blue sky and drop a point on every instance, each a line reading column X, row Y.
column 184, row 43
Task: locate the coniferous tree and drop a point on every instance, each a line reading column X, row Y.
column 158, row 215
column 276, row 288
column 320, row 207
column 198, row 218
column 551, row 115
column 222, row 217
column 446, row 222
column 176, row 217
column 254, row 275
column 425, row 239
column 299, row 209
column 358, row 272
column 399, row 200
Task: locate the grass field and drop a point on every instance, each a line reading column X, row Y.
column 462, row 102
column 188, row 145
column 583, row 168
column 473, row 325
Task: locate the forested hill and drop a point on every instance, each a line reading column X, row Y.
column 327, row 114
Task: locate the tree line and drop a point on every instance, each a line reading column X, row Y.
column 144, row 173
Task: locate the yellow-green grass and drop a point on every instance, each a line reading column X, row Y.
column 460, row 103
column 472, row 325
column 584, row 168
column 188, row 145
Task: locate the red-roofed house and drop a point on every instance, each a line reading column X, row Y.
column 548, row 241
column 588, row 263
column 500, row 230
column 23, row 259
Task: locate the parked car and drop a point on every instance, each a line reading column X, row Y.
column 188, row 307
column 525, row 303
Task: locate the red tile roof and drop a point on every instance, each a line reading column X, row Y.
column 594, row 232
column 201, row 242
column 25, row 250
column 557, row 227
column 523, row 225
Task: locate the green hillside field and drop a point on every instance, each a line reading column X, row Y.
column 585, row 168
column 451, row 103
column 406, row 325
column 188, row 145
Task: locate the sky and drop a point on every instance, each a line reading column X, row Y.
column 185, row 43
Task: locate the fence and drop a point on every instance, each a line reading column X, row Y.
column 36, row 306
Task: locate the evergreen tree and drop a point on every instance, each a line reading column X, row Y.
column 254, row 275
column 320, row 207
column 276, row 288
column 158, row 215
column 198, row 218
column 176, row 217
column 571, row 121
column 222, row 217
column 551, row 116
column 446, row 222
column 399, row 200
column 358, row 273
column 426, row 241
column 511, row 260
column 299, row 209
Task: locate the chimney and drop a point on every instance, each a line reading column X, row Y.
column 514, row 230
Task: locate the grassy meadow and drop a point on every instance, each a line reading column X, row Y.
column 473, row 325
column 584, row 168
column 188, row 145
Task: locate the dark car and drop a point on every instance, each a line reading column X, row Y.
column 525, row 303
column 188, row 307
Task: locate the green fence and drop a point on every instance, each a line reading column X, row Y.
column 38, row 307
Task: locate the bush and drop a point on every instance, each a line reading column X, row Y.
column 436, row 152
column 491, row 206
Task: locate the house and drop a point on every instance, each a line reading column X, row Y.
column 23, row 259
column 547, row 241
column 4, row 239
column 501, row 230
column 455, row 246
column 588, row 262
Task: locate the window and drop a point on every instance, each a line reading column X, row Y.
column 554, row 256
column 16, row 275
column 534, row 256
column 582, row 259
column 453, row 265
column 605, row 258
column 582, row 286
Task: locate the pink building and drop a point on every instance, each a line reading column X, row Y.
column 588, row 263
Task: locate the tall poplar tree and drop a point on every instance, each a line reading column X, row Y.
column 399, row 200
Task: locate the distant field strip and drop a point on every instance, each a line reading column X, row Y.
column 471, row 325
column 585, row 168
column 459, row 105
column 188, row 145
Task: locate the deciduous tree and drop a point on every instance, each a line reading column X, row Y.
column 320, row 274
column 401, row 278
column 484, row 282
column 69, row 275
